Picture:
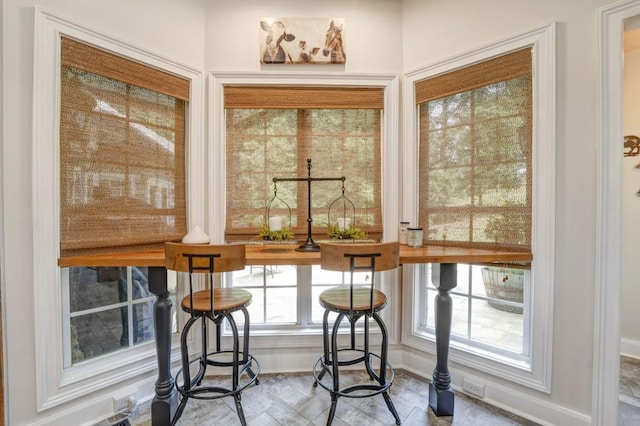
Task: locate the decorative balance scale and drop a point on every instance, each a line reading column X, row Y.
column 344, row 222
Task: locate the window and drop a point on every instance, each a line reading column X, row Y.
column 339, row 123
column 475, row 154
column 475, row 189
column 122, row 187
column 109, row 309
column 488, row 317
column 483, row 176
column 276, row 288
column 271, row 132
column 118, row 94
column 122, row 153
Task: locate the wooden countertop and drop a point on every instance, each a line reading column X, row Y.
column 285, row 254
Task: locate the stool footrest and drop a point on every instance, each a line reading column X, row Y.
column 320, row 367
column 221, row 363
column 351, row 361
column 251, row 368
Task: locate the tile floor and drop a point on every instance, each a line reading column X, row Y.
column 290, row 399
column 629, row 407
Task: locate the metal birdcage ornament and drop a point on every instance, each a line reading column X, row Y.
column 273, row 229
column 341, row 219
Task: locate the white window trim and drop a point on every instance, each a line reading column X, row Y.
column 390, row 161
column 542, row 39
column 608, row 265
column 54, row 384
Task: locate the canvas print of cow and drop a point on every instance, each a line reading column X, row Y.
column 302, row 41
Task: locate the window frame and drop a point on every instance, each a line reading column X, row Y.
column 390, row 177
column 217, row 130
column 55, row 384
column 537, row 374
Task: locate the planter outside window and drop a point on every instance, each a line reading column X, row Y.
column 504, row 284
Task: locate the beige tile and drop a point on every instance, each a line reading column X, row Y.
column 291, row 399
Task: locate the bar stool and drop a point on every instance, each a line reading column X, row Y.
column 355, row 302
column 216, row 305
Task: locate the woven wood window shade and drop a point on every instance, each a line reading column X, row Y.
column 475, row 154
column 272, row 131
column 261, row 97
column 122, row 153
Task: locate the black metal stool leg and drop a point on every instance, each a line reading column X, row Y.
column 382, row 378
column 245, row 347
column 353, row 333
column 335, row 372
column 383, row 366
column 391, row 407
column 218, row 337
column 186, row 374
column 245, row 337
column 325, row 346
column 235, row 351
column 332, row 410
column 367, row 356
column 236, row 368
column 203, row 357
column 239, row 409
column 179, row 410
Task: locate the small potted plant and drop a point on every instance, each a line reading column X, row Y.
column 337, row 232
column 283, row 234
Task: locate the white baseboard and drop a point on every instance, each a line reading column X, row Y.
column 540, row 410
column 95, row 410
column 630, row 348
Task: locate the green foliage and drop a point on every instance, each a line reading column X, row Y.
column 506, row 229
column 283, row 234
column 350, row 233
column 498, row 145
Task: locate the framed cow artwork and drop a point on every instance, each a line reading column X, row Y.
column 302, row 41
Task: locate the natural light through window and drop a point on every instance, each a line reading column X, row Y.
column 487, row 315
column 475, row 190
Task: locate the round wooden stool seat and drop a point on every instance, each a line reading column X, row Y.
column 224, row 299
column 337, row 299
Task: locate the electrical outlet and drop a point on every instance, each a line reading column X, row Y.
column 125, row 399
column 473, row 388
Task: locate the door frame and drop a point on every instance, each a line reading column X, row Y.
column 608, row 265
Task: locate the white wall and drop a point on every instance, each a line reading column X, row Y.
column 630, row 291
column 169, row 28
column 208, row 35
column 372, row 34
column 382, row 36
column 434, row 30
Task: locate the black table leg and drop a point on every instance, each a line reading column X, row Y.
column 165, row 402
column 440, row 390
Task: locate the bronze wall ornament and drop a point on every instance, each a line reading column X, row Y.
column 631, row 146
